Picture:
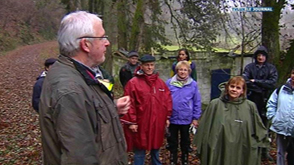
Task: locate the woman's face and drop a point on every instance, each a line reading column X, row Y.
column 182, row 55
column 235, row 90
column 183, row 72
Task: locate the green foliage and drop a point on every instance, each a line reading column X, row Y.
column 25, row 33
column 154, row 38
column 122, row 24
column 286, row 65
column 138, row 21
column 50, row 14
column 197, row 22
column 270, row 28
column 27, row 21
column 6, row 42
column 67, row 4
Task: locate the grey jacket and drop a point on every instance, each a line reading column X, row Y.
column 79, row 121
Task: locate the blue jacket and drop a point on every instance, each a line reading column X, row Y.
column 186, row 101
column 37, row 91
column 280, row 109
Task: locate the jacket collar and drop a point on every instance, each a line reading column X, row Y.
column 175, row 82
column 225, row 98
column 87, row 73
column 287, row 86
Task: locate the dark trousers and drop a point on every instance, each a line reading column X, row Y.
column 260, row 102
column 290, row 150
column 173, row 138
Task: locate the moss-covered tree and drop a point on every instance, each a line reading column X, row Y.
column 286, row 65
column 122, row 24
column 270, row 28
column 137, row 25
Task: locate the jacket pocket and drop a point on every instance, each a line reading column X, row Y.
column 108, row 125
column 104, row 126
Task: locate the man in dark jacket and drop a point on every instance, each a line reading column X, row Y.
column 38, row 85
column 127, row 71
column 261, row 78
column 78, row 118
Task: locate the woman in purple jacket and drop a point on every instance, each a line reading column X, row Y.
column 186, row 110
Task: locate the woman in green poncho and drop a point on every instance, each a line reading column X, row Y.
column 230, row 130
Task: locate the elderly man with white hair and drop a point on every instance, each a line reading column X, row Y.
column 78, row 117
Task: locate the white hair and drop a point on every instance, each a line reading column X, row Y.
column 72, row 26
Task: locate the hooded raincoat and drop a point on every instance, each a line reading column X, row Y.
column 265, row 76
column 151, row 106
column 230, row 133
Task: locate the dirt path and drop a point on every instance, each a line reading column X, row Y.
column 19, row 126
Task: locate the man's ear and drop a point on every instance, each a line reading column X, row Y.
column 85, row 45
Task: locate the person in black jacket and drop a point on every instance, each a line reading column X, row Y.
column 38, row 85
column 261, row 78
column 127, row 71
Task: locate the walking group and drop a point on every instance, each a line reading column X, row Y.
column 82, row 123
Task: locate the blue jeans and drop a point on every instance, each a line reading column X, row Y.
column 139, row 157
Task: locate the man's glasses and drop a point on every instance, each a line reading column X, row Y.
column 101, row 38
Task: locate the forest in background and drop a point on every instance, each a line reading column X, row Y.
column 28, row 22
column 150, row 25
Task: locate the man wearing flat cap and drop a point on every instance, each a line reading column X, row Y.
column 151, row 107
column 39, row 83
column 127, row 71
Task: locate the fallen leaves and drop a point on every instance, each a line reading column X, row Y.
column 20, row 141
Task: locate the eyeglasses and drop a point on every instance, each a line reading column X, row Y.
column 101, row 38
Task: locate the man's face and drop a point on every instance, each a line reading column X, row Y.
column 98, row 45
column 148, row 67
column 133, row 60
column 260, row 58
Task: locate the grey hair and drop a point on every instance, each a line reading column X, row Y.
column 73, row 26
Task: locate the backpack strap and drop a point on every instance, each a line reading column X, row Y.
column 278, row 90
